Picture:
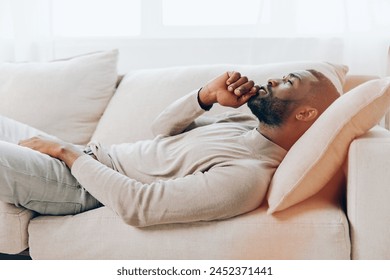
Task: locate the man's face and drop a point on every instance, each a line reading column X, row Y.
column 275, row 100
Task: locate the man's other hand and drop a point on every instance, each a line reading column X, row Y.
column 54, row 148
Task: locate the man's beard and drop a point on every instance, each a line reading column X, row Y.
column 270, row 110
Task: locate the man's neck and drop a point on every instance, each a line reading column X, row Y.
column 282, row 136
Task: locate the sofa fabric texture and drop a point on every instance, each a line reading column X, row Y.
column 13, row 231
column 63, row 98
column 317, row 229
column 368, row 210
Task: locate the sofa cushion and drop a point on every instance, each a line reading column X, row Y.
column 319, row 154
column 143, row 94
column 64, row 98
column 317, row 229
column 14, row 222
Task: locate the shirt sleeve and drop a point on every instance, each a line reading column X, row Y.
column 178, row 116
column 186, row 114
column 222, row 192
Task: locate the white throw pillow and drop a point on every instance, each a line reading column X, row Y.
column 65, row 98
column 143, row 94
column 319, row 154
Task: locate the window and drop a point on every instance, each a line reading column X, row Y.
column 192, row 18
column 96, row 18
column 6, row 29
column 206, row 12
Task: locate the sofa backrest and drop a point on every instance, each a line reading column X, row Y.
column 143, row 94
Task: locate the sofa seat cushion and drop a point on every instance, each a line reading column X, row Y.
column 315, row 229
column 13, row 231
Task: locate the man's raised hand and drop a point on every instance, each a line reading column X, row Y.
column 230, row 89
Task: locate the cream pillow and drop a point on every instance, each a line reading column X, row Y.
column 64, row 98
column 143, row 94
column 320, row 152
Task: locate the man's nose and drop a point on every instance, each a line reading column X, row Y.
column 273, row 82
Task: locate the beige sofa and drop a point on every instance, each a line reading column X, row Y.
column 333, row 224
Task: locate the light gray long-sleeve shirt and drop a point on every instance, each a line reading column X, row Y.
column 195, row 168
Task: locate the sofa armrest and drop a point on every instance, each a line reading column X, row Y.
column 368, row 195
column 352, row 81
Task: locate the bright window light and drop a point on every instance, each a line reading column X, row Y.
column 91, row 18
column 319, row 17
column 381, row 10
column 210, row 12
column 6, row 26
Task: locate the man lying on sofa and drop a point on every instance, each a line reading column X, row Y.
column 194, row 169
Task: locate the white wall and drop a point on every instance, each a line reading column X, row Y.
column 352, row 32
column 150, row 53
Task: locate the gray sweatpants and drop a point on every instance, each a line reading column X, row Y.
column 34, row 180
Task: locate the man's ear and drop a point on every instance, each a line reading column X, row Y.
column 307, row 114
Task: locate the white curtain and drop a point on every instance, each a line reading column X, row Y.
column 359, row 31
column 25, row 30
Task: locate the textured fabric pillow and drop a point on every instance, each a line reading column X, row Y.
column 64, row 98
column 143, row 94
column 318, row 155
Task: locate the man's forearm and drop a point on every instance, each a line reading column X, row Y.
column 178, row 116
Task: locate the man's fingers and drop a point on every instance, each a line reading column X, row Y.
column 242, row 80
column 242, row 86
column 233, row 77
column 244, row 98
column 24, row 142
column 255, row 89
